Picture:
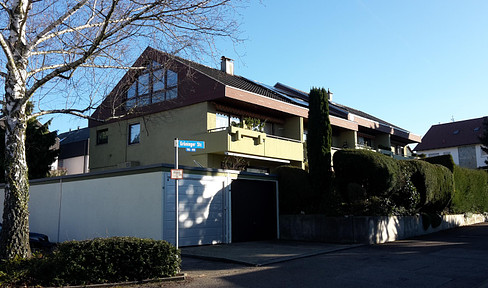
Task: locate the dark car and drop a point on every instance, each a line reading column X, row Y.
column 38, row 240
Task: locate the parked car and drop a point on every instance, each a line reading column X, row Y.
column 37, row 240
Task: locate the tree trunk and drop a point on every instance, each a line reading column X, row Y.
column 14, row 239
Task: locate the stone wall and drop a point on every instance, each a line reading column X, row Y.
column 364, row 229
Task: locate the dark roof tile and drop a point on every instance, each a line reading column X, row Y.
column 452, row 134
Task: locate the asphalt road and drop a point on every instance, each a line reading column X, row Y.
column 453, row 258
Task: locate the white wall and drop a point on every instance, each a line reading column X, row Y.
column 76, row 165
column 481, row 156
column 452, row 150
column 138, row 203
column 128, row 205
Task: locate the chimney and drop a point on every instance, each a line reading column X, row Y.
column 330, row 94
column 227, row 65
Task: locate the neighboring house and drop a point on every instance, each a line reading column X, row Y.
column 73, row 152
column 245, row 124
column 461, row 139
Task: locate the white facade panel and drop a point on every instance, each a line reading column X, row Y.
column 76, row 165
column 129, row 205
column 481, row 156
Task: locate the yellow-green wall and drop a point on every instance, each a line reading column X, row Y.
column 193, row 122
column 158, row 132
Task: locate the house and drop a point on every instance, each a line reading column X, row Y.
column 461, row 139
column 246, row 125
column 73, row 152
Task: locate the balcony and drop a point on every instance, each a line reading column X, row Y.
column 244, row 141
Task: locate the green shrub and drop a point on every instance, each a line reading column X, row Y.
column 296, row 193
column 100, row 260
column 434, row 183
column 471, row 191
column 366, row 180
column 407, row 197
column 444, row 160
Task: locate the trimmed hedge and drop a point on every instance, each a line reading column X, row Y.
column 433, row 182
column 471, row 191
column 444, row 160
column 374, row 184
column 106, row 260
column 376, row 174
column 296, row 193
column 366, row 181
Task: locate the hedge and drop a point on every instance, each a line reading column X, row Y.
column 471, row 191
column 374, row 184
column 101, row 260
column 433, row 182
column 365, row 180
column 296, row 193
column 444, row 160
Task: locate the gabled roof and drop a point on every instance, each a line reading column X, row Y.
column 74, row 136
column 235, row 81
column 453, row 134
column 279, row 91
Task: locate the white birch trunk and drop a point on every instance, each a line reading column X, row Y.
column 14, row 239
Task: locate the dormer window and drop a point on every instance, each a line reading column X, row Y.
column 155, row 84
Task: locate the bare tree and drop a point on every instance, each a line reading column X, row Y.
column 49, row 46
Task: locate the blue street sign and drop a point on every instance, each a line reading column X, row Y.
column 191, row 150
column 189, row 144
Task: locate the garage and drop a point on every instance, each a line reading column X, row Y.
column 254, row 210
column 219, row 209
column 201, row 210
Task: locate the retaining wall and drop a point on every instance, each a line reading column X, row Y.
column 364, row 229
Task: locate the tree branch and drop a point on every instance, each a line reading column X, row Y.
column 8, row 53
column 40, row 37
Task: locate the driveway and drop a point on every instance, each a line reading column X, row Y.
column 452, row 258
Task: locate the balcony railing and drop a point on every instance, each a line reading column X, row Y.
column 245, row 141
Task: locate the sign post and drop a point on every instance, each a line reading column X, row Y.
column 177, row 174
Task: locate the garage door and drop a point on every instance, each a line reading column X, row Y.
column 254, row 210
column 201, row 206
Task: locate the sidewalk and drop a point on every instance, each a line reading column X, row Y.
column 263, row 252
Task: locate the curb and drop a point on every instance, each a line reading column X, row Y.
column 178, row 277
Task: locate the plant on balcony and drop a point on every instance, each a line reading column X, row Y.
column 254, row 124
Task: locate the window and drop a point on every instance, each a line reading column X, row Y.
column 134, row 133
column 155, row 84
column 102, row 136
column 222, row 121
column 225, row 120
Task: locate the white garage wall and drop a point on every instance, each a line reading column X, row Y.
column 84, row 208
column 137, row 202
column 129, row 205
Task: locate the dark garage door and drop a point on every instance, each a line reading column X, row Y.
column 253, row 210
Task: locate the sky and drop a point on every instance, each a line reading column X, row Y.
column 411, row 63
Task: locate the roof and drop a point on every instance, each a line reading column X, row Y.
column 453, row 134
column 279, row 91
column 74, row 136
column 235, row 81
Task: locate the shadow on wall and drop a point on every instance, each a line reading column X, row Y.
column 201, row 210
column 364, row 229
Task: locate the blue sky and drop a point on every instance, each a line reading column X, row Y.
column 412, row 63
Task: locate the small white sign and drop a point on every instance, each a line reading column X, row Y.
column 176, row 173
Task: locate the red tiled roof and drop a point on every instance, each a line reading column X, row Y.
column 454, row 134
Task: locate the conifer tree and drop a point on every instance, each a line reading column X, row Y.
column 319, row 140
